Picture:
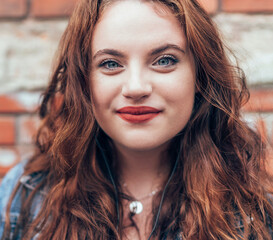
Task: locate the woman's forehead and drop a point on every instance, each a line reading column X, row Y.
column 126, row 22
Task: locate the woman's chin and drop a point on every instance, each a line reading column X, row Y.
column 142, row 145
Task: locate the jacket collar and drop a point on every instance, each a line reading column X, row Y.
column 31, row 181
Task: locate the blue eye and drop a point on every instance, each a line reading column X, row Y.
column 110, row 64
column 163, row 61
column 166, row 61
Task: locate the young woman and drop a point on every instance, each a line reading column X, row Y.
column 141, row 134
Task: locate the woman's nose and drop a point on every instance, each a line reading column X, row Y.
column 136, row 85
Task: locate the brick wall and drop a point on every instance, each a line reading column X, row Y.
column 30, row 31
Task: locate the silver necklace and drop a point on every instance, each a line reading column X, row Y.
column 136, row 206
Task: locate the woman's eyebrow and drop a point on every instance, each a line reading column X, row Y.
column 155, row 51
column 109, row 52
column 166, row 47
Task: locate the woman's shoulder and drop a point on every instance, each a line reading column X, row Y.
column 27, row 182
column 6, row 188
column 15, row 176
column 9, row 182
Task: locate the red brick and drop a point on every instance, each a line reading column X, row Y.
column 19, row 102
column 52, row 8
column 7, row 130
column 8, row 158
column 28, row 126
column 13, row 8
column 260, row 101
column 247, row 5
column 211, row 6
column 10, row 105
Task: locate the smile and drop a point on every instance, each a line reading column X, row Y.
column 138, row 114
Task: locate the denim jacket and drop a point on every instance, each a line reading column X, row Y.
column 29, row 182
column 8, row 184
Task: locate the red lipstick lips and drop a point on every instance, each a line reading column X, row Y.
column 138, row 114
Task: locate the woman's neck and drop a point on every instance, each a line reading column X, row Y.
column 143, row 171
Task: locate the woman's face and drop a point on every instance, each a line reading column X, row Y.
column 143, row 75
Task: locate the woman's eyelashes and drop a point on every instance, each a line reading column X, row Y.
column 110, row 64
column 165, row 62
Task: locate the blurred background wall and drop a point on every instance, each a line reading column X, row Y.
column 29, row 35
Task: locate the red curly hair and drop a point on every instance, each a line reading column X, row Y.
column 220, row 175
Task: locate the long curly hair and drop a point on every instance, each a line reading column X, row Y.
column 220, row 179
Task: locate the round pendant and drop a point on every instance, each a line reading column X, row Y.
column 136, row 207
